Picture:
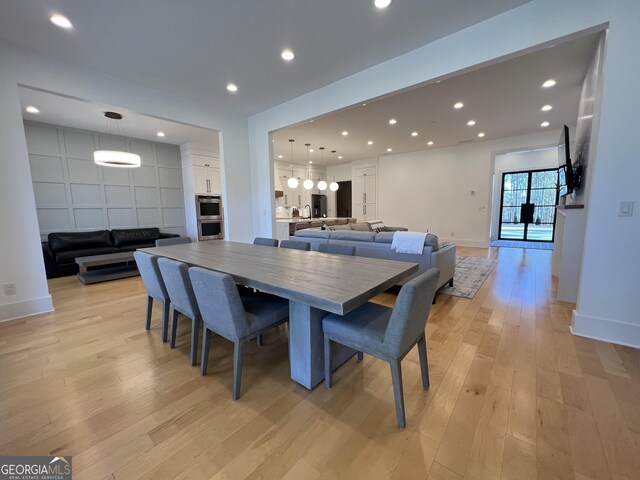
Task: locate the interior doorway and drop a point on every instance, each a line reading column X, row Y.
column 528, row 205
column 343, row 199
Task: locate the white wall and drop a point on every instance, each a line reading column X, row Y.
column 431, row 189
column 514, row 162
column 21, row 261
column 20, row 254
column 609, row 275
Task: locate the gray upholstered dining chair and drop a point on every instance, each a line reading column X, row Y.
column 152, row 279
column 337, row 249
column 183, row 300
column 388, row 334
column 163, row 242
column 268, row 242
column 223, row 312
column 295, row 244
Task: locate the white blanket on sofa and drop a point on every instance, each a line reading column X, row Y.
column 408, row 242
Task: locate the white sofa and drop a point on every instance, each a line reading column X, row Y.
column 378, row 245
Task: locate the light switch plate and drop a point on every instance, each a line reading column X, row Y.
column 625, row 209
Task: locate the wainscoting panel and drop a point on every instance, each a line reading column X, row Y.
column 72, row 193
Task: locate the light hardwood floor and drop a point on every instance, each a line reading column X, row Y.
column 513, row 394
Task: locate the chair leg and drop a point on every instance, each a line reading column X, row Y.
column 451, row 282
column 195, row 332
column 149, row 309
column 259, row 340
column 174, row 328
column 166, row 305
column 433, row 302
column 396, row 378
column 327, row 361
column 238, row 350
column 424, row 365
column 360, row 356
column 206, row 337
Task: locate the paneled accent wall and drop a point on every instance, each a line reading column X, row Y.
column 74, row 194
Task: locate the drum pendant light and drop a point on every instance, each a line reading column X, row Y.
column 115, row 158
column 293, row 181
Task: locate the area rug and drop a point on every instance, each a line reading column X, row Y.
column 471, row 272
column 521, row 244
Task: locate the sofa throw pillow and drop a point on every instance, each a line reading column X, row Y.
column 377, row 226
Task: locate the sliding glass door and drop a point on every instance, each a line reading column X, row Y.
column 535, row 189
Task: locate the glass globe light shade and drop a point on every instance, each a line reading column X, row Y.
column 307, row 184
column 333, row 186
column 292, row 182
column 322, row 185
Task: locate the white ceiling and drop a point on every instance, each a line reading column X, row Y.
column 504, row 99
column 193, row 48
column 75, row 113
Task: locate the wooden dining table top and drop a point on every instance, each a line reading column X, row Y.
column 334, row 283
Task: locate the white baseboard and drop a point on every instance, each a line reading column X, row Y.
column 27, row 308
column 465, row 243
column 604, row 329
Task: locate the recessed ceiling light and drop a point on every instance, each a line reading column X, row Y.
column 370, row 142
column 311, row 150
column 310, row 121
column 414, row 134
column 364, row 104
column 381, row 3
column 339, row 157
column 280, row 156
column 549, row 83
column 160, row 134
column 32, row 109
column 471, row 123
column 429, row 142
column 458, row 105
column 287, row 54
column 393, row 121
column 546, row 108
column 345, row 133
column 389, row 150
column 310, row 161
column 60, row 21
column 544, row 124
column 481, row 134
column 232, row 87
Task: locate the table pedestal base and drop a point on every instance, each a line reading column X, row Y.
column 306, row 345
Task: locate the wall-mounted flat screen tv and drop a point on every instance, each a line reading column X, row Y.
column 565, row 171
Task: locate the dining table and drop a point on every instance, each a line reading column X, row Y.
column 315, row 284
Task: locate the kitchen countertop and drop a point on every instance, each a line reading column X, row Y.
column 299, row 219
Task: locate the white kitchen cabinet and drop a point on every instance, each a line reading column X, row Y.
column 207, row 180
column 364, row 194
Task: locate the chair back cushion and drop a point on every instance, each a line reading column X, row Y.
column 163, row 242
column 267, row 242
column 219, row 303
column 132, row 236
column 151, row 276
column 410, row 313
column 295, row 244
column 176, row 279
column 61, row 241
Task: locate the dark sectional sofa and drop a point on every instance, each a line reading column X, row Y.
column 62, row 249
